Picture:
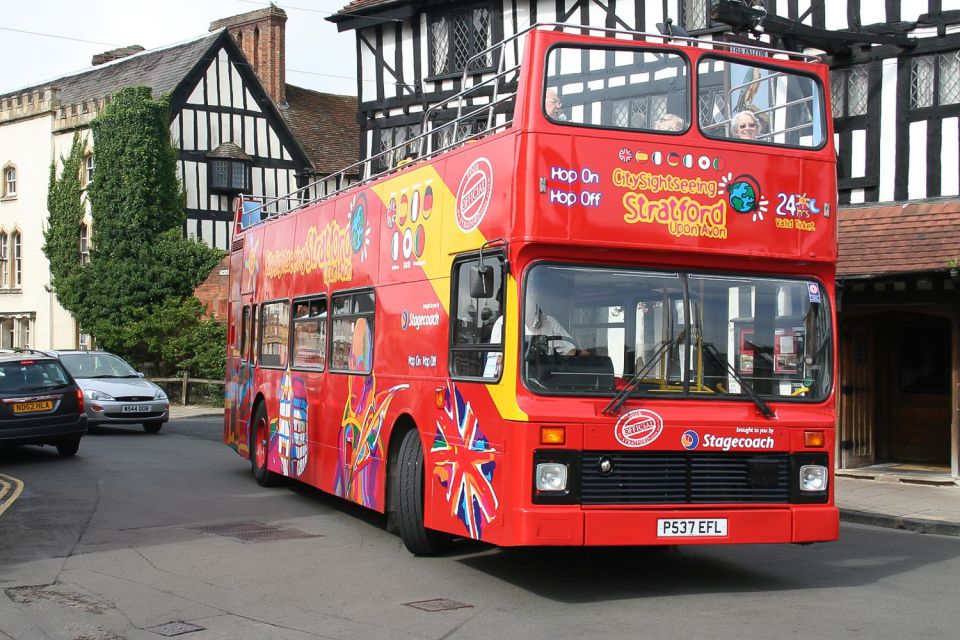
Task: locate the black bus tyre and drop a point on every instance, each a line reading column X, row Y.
column 260, row 450
column 418, row 540
column 69, row 446
column 152, row 427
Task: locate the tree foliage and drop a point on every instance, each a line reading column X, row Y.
column 136, row 293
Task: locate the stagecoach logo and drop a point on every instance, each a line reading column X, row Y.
column 690, row 439
column 638, row 428
column 473, row 194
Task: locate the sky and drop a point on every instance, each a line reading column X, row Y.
column 65, row 34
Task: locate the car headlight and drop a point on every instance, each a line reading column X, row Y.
column 551, row 476
column 99, row 395
column 813, row 477
column 160, row 395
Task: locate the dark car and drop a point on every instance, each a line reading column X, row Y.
column 40, row 402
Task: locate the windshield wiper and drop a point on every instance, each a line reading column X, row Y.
column 719, row 359
column 104, row 375
column 614, row 405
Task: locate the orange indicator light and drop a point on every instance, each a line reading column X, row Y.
column 553, row 435
column 813, row 438
column 439, row 396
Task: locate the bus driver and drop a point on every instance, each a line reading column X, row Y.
column 536, row 323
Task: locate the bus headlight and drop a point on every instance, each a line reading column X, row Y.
column 813, row 477
column 551, row 476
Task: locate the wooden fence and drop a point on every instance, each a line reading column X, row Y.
column 199, row 390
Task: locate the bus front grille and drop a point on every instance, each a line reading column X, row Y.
column 684, row 478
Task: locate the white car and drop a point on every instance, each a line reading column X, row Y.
column 115, row 393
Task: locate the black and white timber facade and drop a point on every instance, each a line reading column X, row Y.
column 895, row 94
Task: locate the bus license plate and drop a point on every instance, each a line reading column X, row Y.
column 136, row 408
column 31, row 407
column 691, row 527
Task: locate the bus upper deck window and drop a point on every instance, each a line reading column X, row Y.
column 750, row 103
column 617, row 88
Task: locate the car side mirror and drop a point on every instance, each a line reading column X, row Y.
column 141, row 374
column 481, row 281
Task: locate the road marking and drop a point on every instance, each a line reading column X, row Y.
column 10, row 490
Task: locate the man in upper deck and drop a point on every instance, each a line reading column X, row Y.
column 552, row 105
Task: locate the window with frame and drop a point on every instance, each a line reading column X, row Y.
column 17, row 259
column 9, row 181
column 4, row 261
column 231, row 176
column 457, row 36
column 396, row 137
column 849, row 91
column 274, row 334
column 88, row 166
column 476, row 337
column 310, row 333
column 352, row 331
column 84, row 244
column 696, row 14
column 617, row 88
column 935, row 80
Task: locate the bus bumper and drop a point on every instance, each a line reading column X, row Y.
column 611, row 527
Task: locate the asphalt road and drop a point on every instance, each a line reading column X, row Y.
column 105, row 546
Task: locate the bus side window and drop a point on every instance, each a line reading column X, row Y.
column 352, row 332
column 310, row 333
column 274, row 333
column 476, row 337
column 244, row 332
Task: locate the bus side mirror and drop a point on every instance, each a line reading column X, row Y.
column 481, row 281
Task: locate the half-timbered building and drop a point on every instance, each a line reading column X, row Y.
column 239, row 128
column 896, row 103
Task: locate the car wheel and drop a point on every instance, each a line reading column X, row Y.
column 152, row 427
column 418, row 540
column 69, row 446
column 260, row 450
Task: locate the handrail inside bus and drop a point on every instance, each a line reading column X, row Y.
column 267, row 208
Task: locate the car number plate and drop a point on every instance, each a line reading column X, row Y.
column 136, row 408
column 691, row 527
column 31, row 407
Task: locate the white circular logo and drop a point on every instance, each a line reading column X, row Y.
column 638, row 428
column 473, row 194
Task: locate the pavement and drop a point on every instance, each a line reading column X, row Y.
column 924, row 504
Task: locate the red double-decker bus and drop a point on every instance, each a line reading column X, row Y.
column 595, row 309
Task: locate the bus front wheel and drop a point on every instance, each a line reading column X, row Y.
column 260, row 451
column 418, row 540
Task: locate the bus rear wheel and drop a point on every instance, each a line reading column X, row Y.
column 260, row 451
column 418, row 540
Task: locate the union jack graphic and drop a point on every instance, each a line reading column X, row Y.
column 464, row 470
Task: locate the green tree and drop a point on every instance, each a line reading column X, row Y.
column 140, row 265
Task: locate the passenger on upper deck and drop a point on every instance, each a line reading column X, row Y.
column 745, row 125
column 669, row 122
column 552, row 105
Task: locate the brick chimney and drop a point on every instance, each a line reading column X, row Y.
column 115, row 54
column 261, row 35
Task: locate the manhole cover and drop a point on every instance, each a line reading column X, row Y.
column 170, row 629
column 438, row 604
column 249, row 531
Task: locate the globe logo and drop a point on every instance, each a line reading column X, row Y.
column 743, row 196
column 690, row 439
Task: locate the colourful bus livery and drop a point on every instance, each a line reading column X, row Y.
column 610, row 323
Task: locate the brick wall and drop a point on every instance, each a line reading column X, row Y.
column 215, row 290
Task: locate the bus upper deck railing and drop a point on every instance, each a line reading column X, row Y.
column 422, row 146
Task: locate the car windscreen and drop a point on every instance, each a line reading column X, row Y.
column 97, row 365
column 31, row 376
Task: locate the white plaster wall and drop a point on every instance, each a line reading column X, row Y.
column 29, row 144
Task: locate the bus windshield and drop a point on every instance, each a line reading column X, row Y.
column 596, row 329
